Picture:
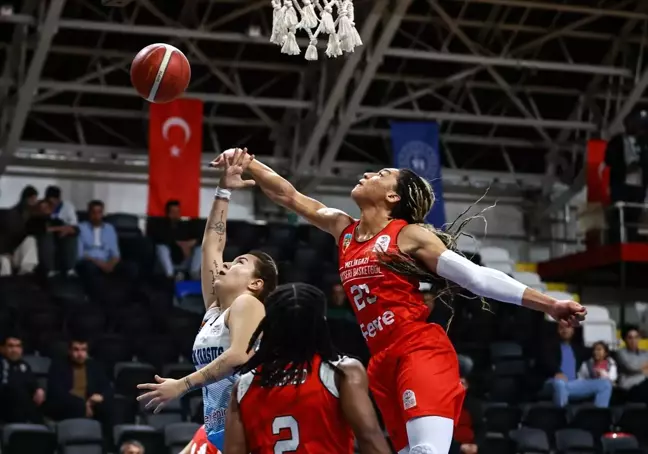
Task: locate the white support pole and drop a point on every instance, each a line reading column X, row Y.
column 28, row 89
column 341, row 83
column 208, row 97
column 475, row 119
column 507, row 62
column 375, row 59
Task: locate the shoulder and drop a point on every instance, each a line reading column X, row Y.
column 413, row 237
column 354, row 371
column 110, row 228
column 244, row 305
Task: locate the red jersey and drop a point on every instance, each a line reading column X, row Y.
column 301, row 418
column 388, row 306
column 200, row 444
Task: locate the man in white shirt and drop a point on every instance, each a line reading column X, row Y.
column 57, row 246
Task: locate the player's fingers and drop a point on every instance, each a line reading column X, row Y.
column 152, row 404
column 147, row 386
column 159, row 408
column 248, row 183
column 160, row 379
column 147, row 396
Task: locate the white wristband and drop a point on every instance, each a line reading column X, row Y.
column 221, row 193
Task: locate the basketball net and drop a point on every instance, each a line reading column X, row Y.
column 290, row 16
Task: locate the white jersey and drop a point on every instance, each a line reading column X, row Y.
column 212, row 340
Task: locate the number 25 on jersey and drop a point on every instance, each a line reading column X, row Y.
column 362, row 296
column 289, row 423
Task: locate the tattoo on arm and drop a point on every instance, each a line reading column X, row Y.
column 219, row 227
column 209, row 377
column 214, row 273
column 189, row 385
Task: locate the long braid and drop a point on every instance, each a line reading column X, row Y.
column 416, row 200
column 292, row 332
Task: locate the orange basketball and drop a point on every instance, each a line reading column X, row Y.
column 160, row 73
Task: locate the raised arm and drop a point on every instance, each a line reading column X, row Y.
column 235, row 442
column 214, row 238
column 244, row 316
column 425, row 246
column 358, row 409
column 281, row 192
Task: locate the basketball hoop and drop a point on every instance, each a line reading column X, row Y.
column 292, row 15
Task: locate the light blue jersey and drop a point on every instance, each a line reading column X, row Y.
column 212, row 340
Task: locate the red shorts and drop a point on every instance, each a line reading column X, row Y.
column 200, row 444
column 419, row 377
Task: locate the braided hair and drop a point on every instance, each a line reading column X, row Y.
column 416, row 201
column 293, row 330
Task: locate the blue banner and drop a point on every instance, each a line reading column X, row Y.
column 416, row 147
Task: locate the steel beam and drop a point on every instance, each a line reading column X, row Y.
column 28, row 89
column 375, row 59
column 207, row 97
column 474, row 119
column 342, row 81
column 616, row 125
column 151, row 30
column 565, row 8
column 507, row 62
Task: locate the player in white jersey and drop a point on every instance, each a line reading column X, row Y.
column 233, row 294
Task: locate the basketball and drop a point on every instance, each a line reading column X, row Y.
column 160, row 73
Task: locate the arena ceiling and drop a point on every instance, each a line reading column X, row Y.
column 517, row 85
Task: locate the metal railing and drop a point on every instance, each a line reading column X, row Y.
column 600, row 219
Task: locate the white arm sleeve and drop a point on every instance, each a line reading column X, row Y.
column 480, row 280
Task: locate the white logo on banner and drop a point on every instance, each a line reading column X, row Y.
column 180, row 123
column 419, row 157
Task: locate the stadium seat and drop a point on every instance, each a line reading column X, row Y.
column 123, row 221
column 528, row 440
column 124, row 409
column 243, row 234
column 597, row 421
column 42, row 319
column 151, row 439
column 572, row 441
column 531, row 280
column 632, row 420
column 160, row 420
column 623, row 444
column 497, row 258
column 505, row 350
column 28, row 438
column 281, row 235
column 133, row 323
column 86, row 324
column 231, row 252
column 178, row 435
column 502, row 418
column 306, row 258
column 111, row 349
column 157, row 350
column 505, row 389
column 544, row 416
column 39, row 364
column 497, row 444
column 79, row 436
column 129, row 375
column 509, row 368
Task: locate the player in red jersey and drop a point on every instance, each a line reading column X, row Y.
column 296, row 395
column 414, row 373
column 199, row 444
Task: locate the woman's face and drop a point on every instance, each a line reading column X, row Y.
column 599, row 353
column 237, row 276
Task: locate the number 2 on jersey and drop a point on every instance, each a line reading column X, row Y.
column 362, row 296
column 290, row 423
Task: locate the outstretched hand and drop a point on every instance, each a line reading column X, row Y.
column 568, row 313
column 233, row 162
column 160, row 393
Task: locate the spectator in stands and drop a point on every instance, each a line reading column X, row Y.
column 627, row 157
column 633, row 363
column 561, row 361
column 600, row 365
column 78, row 386
column 62, row 209
column 98, row 247
column 18, row 251
column 20, row 396
column 339, row 308
column 470, row 431
column 175, row 244
column 131, row 447
column 57, row 243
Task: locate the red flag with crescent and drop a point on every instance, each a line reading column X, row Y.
column 175, row 149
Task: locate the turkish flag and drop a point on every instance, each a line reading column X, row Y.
column 598, row 174
column 175, row 149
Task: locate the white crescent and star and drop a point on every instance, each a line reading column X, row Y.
column 180, row 123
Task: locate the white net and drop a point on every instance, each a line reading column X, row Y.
column 315, row 17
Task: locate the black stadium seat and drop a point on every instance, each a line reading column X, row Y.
column 502, row 418
column 572, row 441
column 597, row 421
column 79, row 436
column 528, row 440
column 545, row 416
column 27, row 438
column 129, row 375
column 624, row 444
column 178, row 435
